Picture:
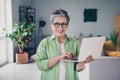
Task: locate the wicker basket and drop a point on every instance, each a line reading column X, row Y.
column 110, row 49
column 113, row 53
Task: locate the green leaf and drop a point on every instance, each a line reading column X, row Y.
column 113, row 37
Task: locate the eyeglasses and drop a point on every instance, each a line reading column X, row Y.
column 57, row 25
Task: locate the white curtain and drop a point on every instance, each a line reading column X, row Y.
column 3, row 55
column 3, row 47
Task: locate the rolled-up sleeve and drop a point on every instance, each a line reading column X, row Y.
column 42, row 59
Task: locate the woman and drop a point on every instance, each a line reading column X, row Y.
column 52, row 50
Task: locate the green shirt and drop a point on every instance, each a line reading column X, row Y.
column 49, row 48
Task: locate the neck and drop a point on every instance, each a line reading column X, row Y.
column 61, row 39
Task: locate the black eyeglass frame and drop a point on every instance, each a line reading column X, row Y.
column 63, row 25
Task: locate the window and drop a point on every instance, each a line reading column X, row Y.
column 3, row 49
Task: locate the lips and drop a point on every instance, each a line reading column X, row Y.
column 60, row 31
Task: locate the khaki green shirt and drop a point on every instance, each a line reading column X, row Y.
column 49, row 48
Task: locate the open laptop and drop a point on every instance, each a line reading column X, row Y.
column 90, row 46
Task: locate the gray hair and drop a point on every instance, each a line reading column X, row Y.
column 60, row 12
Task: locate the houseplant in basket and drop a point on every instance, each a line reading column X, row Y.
column 112, row 47
column 20, row 36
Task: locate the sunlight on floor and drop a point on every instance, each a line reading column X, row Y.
column 13, row 71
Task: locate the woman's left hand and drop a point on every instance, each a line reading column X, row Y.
column 89, row 59
column 81, row 65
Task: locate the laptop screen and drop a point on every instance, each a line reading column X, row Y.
column 91, row 46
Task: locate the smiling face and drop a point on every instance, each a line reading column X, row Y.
column 59, row 26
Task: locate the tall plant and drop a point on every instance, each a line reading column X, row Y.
column 21, row 33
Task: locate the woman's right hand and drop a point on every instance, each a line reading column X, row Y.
column 66, row 55
column 54, row 60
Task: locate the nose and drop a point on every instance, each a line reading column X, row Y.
column 60, row 27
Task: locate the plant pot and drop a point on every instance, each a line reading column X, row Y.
column 113, row 53
column 109, row 46
column 22, row 58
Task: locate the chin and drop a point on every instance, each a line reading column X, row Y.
column 60, row 35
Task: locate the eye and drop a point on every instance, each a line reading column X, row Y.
column 63, row 24
column 56, row 24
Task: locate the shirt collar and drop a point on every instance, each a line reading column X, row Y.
column 54, row 37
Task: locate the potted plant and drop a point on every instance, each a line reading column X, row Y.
column 20, row 36
column 112, row 47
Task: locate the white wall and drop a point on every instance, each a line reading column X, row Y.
column 105, row 22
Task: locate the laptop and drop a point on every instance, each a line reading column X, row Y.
column 90, row 46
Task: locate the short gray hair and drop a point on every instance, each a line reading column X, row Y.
column 60, row 12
